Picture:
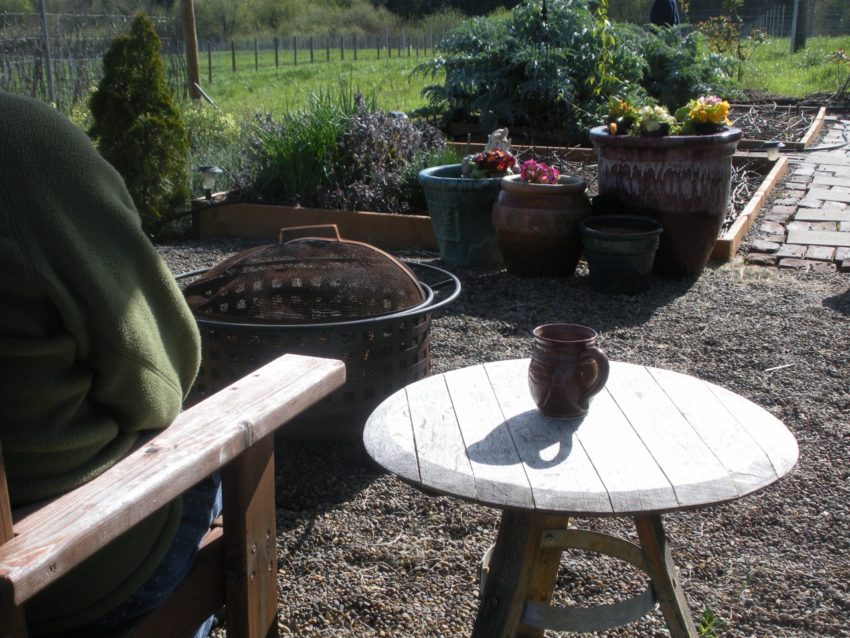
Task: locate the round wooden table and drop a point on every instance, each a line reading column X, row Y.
column 654, row 441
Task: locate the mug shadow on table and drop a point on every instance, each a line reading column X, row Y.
column 541, row 444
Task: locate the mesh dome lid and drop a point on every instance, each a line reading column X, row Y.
column 305, row 280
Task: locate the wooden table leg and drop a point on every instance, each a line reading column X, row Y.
column 520, row 570
column 664, row 577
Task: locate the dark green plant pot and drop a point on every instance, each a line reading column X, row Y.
column 460, row 211
column 620, row 251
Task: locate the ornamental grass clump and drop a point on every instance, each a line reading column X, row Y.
column 342, row 153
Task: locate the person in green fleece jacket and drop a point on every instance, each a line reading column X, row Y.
column 97, row 346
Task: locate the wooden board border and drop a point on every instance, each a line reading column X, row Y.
column 392, row 231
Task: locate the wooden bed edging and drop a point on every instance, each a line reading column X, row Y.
column 386, row 230
column 396, row 231
column 727, row 244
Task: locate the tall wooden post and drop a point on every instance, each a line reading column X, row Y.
column 190, row 42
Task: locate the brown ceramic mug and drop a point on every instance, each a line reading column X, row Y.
column 566, row 370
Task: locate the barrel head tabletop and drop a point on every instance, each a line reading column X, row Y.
column 653, row 441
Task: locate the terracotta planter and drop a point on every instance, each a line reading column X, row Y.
column 680, row 181
column 537, row 225
column 460, row 211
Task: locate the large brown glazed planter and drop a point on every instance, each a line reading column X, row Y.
column 537, row 225
column 681, row 181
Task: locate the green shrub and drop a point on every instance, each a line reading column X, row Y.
column 218, row 139
column 527, row 71
column 340, row 152
column 137, row 127
column 680, row 66
column 375, row 154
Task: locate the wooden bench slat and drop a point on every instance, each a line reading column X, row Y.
column 53, row 539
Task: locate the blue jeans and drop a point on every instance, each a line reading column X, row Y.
column 201, row 506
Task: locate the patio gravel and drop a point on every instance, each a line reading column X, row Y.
column 362, row 554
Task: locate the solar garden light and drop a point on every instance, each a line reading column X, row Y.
column 772, row 149
column 209, row 174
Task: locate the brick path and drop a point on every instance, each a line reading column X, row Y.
column 808, row 222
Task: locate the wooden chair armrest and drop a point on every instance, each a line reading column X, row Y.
column 55, row 538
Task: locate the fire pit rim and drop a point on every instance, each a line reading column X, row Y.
column 426, row 306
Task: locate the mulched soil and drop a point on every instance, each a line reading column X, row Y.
column 361, row 554
column 772, row 121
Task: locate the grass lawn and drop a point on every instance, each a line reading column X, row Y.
column 271, row 89
column 261, row 86
column 811, row 70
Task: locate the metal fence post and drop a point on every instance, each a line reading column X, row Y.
column 48, row 66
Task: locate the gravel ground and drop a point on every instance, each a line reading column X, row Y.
column 362, row 554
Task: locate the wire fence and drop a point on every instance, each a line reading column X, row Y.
column 295, row 50
column 58, row 57
column 776, row 19
column 63, row 67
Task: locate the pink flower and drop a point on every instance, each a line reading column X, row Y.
column 538, row 173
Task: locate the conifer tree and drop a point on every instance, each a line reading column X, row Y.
column 136, row 125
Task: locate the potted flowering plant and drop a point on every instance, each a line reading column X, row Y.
column 532, row 172
column 655, row 121
column 536, row 219
column 705, row 114
column 674, row 170
column 494, row 162
column 460, row 199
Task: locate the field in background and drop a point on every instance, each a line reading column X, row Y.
column 285, row 88
column 812, row 70
column 271, row 89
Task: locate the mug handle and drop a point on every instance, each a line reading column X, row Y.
column 602, row 367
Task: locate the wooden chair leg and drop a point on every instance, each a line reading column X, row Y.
column 250, row 543
column 664, row 577
column 520, row 570
column 12, row 619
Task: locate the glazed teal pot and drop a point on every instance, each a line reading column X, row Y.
column 461, row 215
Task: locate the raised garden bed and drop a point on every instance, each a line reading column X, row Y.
column 795, row 126
column 242, row 219
column 753, row 178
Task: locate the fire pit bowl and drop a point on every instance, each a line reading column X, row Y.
column 382, row 353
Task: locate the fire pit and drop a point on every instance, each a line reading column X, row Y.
column 324, row 297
